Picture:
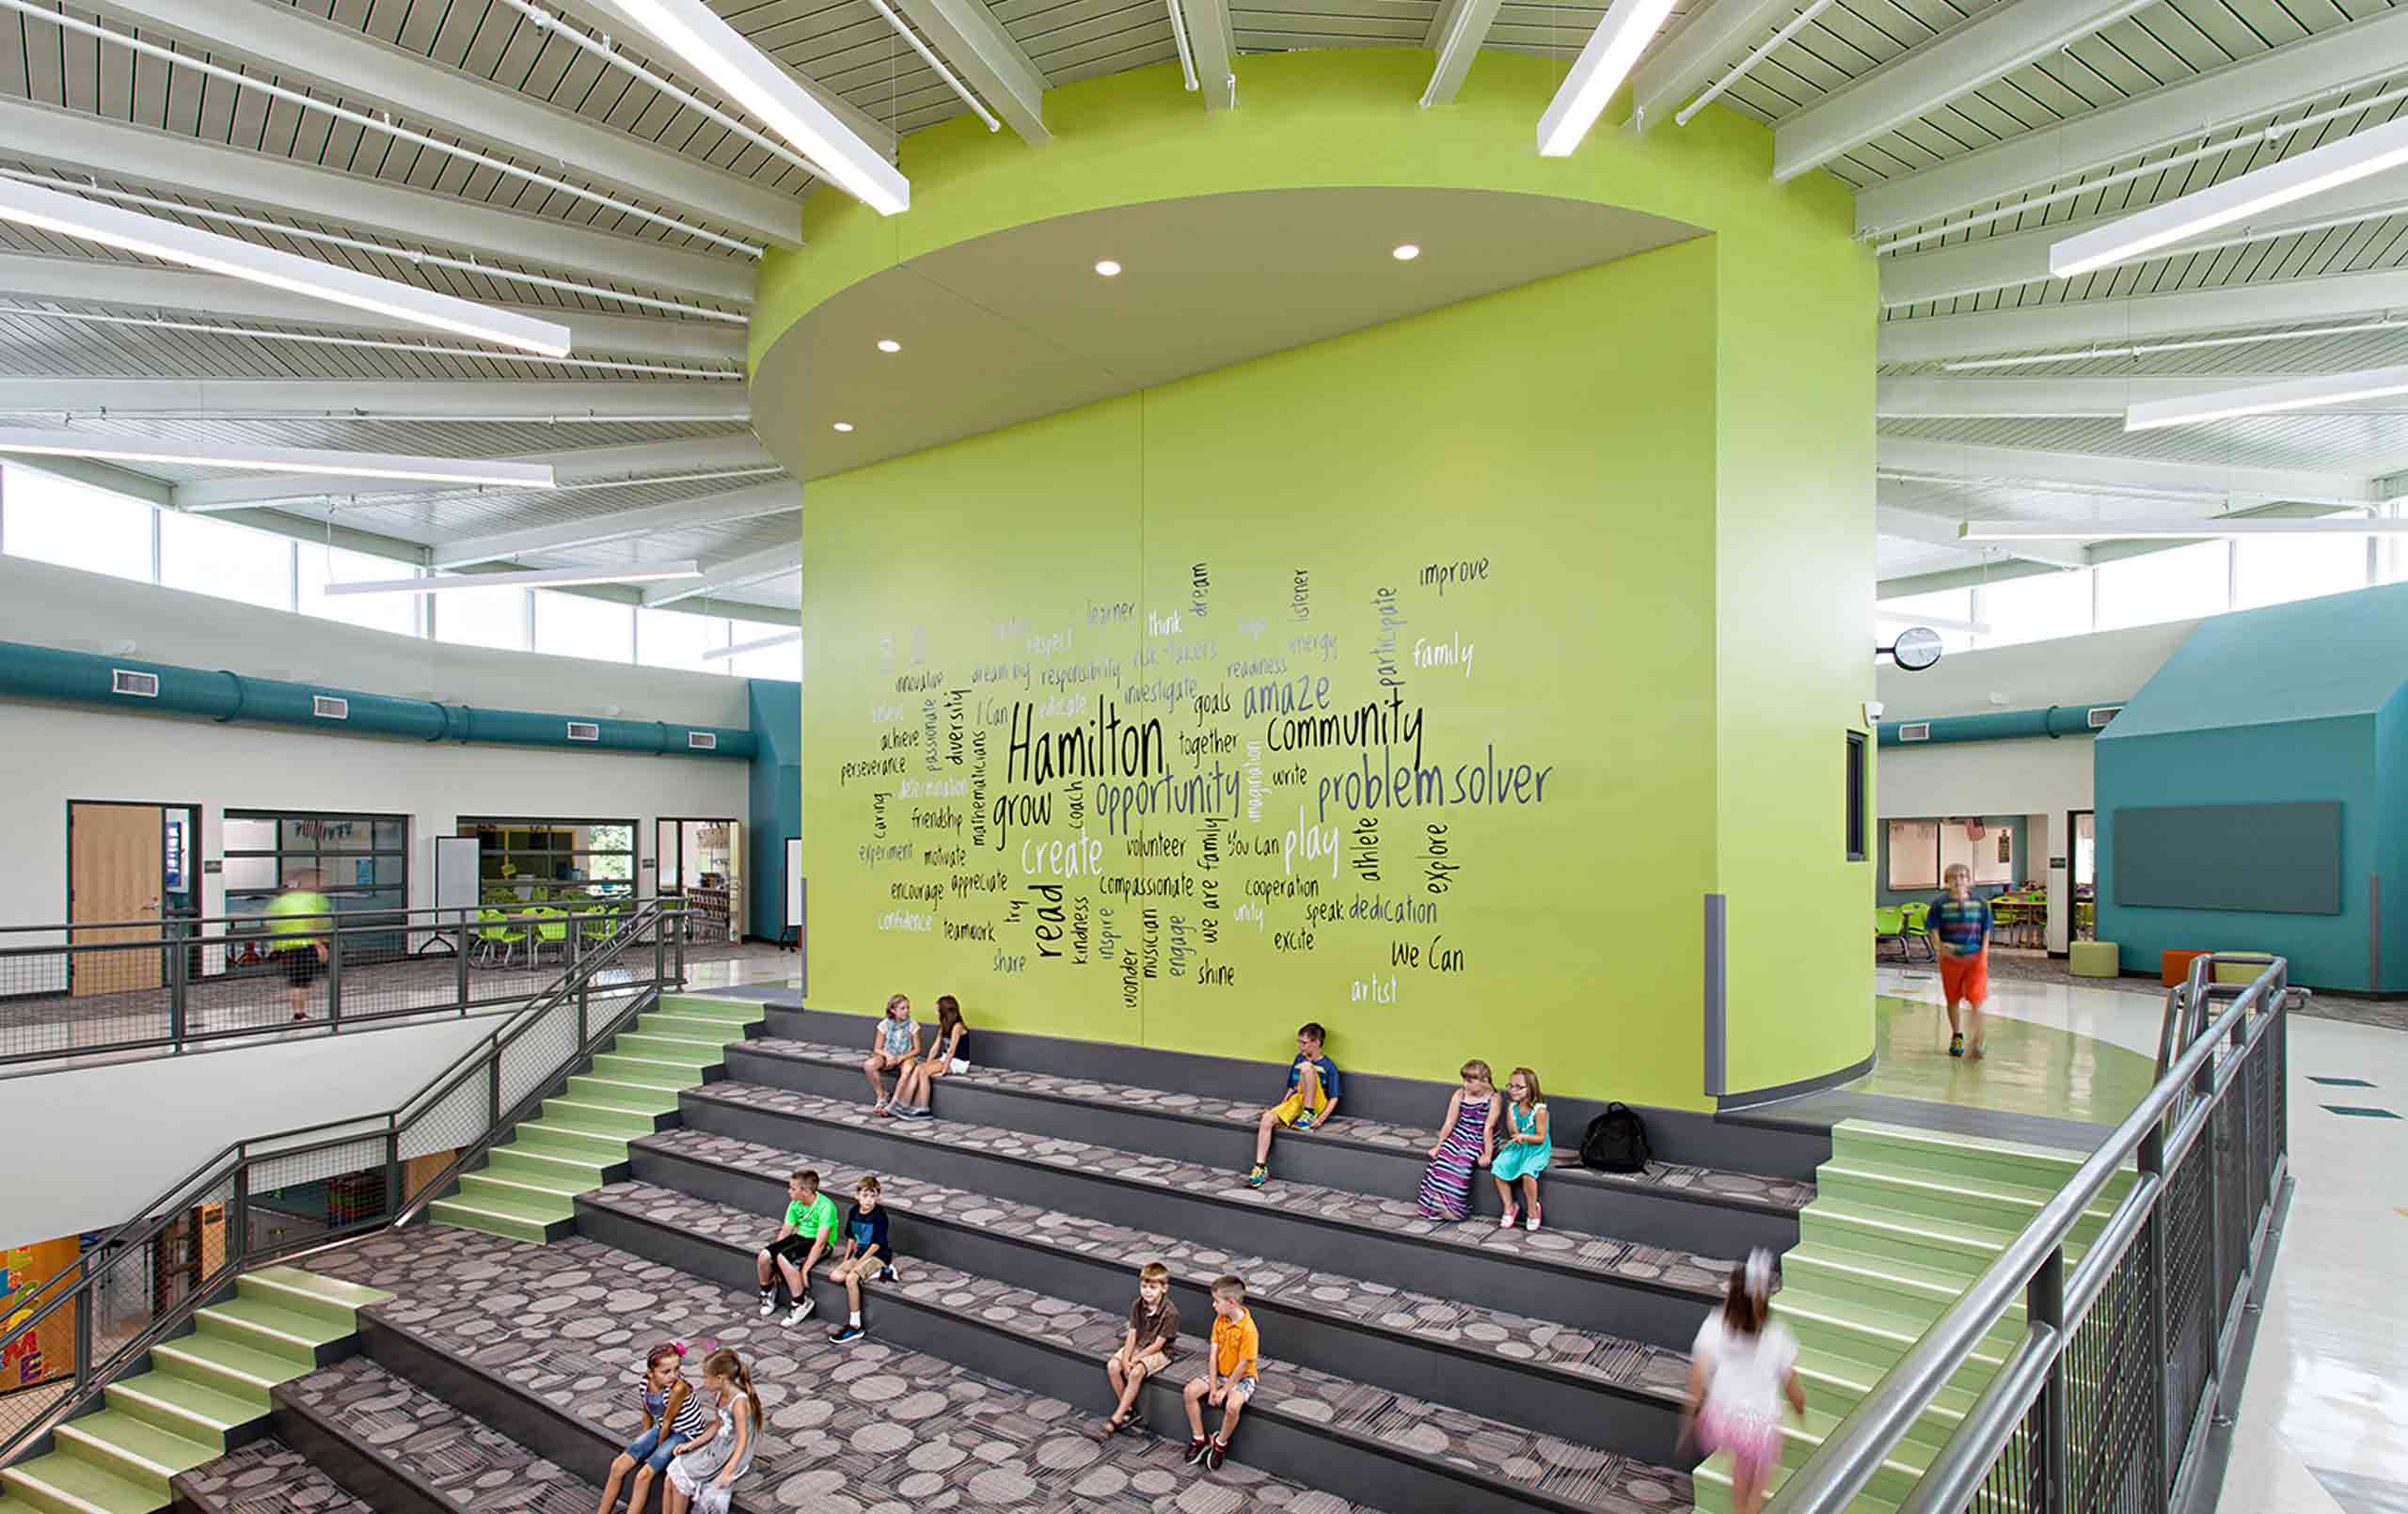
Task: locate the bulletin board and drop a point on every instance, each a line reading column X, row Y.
column 1914, row 853
column 49, row 1352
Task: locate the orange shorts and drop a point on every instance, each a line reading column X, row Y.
column 1966, row 980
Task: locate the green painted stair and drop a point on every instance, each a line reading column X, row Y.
column 202, row 1392
column 1902, row 1222
column 526, row 1190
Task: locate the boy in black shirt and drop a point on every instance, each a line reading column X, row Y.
column 866, row 1254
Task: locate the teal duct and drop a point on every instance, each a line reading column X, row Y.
column 2004, row 725
column 121, row 684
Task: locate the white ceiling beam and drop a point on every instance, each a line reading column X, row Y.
column 1212, row 44
column 2325, row 393
column 2315, row 68
column 2172, row 529
column 285, row 42
column 65, row 214
column 2015, row 258
column 1456, row 33
column 1991, row 45
column 2076, row 322
column 1686, row 62
column 967, row 35
column 93, row 281
column 2098, row 470
column 693, row 455
column 1937, row 397
column 732, row 572
column 2392, row 486
column 107, row 475
column 172, row 161
column 430, row 399
column 602, row 16
column 778, row 498
column 1934, row 531
column 312, row 463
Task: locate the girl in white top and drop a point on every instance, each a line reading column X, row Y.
column 1742, row 1367
column 703, row 1479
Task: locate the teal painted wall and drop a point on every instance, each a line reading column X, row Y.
column 2298, row 760
column 1884, row 894
column 777, row 799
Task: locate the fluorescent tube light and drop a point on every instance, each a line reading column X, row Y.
column 2296, row 178
column 2268, row 399
column 1604, row 63
column 784, row 638
column 277, row 458
column 68, row 215
column 2172, row 531
column 735, row 67
column 535, row 578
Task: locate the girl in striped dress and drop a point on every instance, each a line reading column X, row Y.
column 1468, row 1139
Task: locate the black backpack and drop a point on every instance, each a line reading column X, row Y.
column 1616, row 1142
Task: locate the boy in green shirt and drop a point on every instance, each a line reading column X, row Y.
column 811, row 1220
column 296, row 921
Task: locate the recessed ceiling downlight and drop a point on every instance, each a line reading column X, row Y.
column 1406, row 253
column 1108, row 268
column 844, row 425
column 888, row 344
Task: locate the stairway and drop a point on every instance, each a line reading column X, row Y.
column 526, row 1190
column 1903, row 1222
column 205, row 1392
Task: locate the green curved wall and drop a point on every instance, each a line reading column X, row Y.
column 1666, row 461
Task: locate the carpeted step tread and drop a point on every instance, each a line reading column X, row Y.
column 265, row 1477
column 426, row 1440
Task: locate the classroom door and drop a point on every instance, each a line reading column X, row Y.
column 116, row 872
column 668, row 875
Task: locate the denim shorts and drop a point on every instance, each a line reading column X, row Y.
column 652, row 1447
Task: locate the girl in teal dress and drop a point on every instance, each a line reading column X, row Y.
column 1526, row 1149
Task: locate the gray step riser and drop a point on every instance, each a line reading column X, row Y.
column 1266, row 1439
column 1585, row 1299
column 1626, row 1213
column 1676, row 1135
column 356, row 1470
column 1555, row 1403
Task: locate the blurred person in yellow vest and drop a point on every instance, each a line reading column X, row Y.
column 298, row 920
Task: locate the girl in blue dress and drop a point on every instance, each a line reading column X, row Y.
column 1526, row 1149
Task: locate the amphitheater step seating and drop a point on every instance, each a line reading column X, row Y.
column 1539, row 1374
column 1722, row 1212
column 504, row 1354
column 204, row 1392
column 390, row 1442
column 527, row 1189
column 1903, row 1222
column 1589, row 1282
column 265, row 1477
column 1359, row 1442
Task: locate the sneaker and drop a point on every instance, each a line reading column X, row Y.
column 1257, row 1176
column 801, row 1311
column 886, row 1275
column 1214, row 1455
column 846, row 1334
column 1195, row 1450
column 882, row 1107
column 1533, row 1222
column 1956, row 1045
column 921, row 1114
column 769, row 1303
column 1505, row 1221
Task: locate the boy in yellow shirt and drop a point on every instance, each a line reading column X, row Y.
column 1229, row 1373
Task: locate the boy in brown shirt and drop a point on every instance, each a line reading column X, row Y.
column 1154, row 1338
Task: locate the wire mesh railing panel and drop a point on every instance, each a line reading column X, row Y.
column 2234, row 1217
column 2262, row 1132
column 2016, row 1477
column 528, row 1063
column 58, row 998
column 2190, row 1315
column 299, row 1197
column 459, row 1118
column 2111, row 1372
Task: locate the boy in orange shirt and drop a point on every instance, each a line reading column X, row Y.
column 1229, row 1373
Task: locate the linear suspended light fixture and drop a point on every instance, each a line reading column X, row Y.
column 2173, row 530
column 70, row 216
column 784, row 638
column 533, row 578
column 460, row 470
column 2354, row 157
column 2146, row 349
column 2267, row 399
column 744, row 74
column 1603, row 65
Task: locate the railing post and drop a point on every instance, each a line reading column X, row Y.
column 660, row 923
column 238, row 1215
column 493, row 1124
column 460, row 966
column 2044, row 1303
column 392, row 1169
column 179, row 973
column 334, row 977
column 2161, row 1352
column 84, row 1324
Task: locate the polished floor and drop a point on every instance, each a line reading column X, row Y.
column 2323, row 1421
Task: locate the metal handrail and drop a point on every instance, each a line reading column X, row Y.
column 442, row 914
column 1850, row 1455
column 146, row 1224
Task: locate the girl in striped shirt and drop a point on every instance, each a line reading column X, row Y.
column 675, row 1420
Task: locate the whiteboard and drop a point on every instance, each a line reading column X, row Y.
column 1991, row 858
column 1914, row 853
column 794, row 882
column 456, row 884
